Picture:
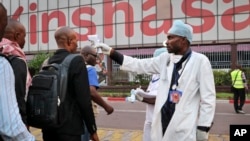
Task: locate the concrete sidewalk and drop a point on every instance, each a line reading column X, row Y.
column 108, row 134
column 111, row 134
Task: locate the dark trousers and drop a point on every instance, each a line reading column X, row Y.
column 239, row 94
column 52, row 136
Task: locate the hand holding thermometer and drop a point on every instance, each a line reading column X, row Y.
column 94, row 39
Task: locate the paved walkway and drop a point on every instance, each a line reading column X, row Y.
column 110, row 134
column 106, row 134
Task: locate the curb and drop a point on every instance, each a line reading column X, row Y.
column 246, row 101
column 116, row 98
column 231, row 101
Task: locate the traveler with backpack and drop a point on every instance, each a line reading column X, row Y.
column 11, row 125
column 77, row 103
column 12, row 45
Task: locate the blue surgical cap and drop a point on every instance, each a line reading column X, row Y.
column 181, row 29
column 159, row 51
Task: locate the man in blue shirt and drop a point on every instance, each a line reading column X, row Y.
column 89, row 54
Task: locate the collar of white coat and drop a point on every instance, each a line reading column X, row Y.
column 175, row 58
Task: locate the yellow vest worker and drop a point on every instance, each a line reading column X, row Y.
column 239, row 89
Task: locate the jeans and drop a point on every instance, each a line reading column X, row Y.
column 86, row 135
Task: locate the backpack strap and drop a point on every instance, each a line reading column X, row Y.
column 7, row 58
column 64, row 73
column 68, row 59
column 12, row 57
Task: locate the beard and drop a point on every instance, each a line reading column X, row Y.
column 174, row 49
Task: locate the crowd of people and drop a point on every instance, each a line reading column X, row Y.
column 16, row 81
column 182, row 108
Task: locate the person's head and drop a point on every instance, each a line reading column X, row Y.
column 15, row 31
column 179, row 37
column 98, row 59
column 3, row 20
column 238, row 66
column 66, row 38
column 89, row 54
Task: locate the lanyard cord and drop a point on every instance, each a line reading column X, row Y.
column 177, row 67
column 177, row 75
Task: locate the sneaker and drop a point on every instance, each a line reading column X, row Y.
column 241, row 112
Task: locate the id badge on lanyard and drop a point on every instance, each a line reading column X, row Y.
column 175, row 96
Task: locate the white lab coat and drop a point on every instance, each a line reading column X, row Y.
column 151, row 90
column 197, row 104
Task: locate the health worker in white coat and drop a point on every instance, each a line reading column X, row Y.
column 186, row 99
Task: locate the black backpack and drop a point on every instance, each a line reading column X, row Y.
column 46, row 95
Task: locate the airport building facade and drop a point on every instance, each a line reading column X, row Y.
column 138, row 27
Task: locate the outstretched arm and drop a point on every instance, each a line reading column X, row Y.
column 99, row 100
column 140, row 66
column 114, row 55
column 93, row 85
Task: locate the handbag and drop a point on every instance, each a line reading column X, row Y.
column 232, row 86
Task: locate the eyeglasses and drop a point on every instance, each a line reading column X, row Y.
column 95, row 55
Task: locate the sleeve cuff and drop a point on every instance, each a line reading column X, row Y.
column 203, row 128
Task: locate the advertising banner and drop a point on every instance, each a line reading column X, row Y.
column 130, row 23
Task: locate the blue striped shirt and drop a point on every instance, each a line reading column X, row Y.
column 11, row 126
